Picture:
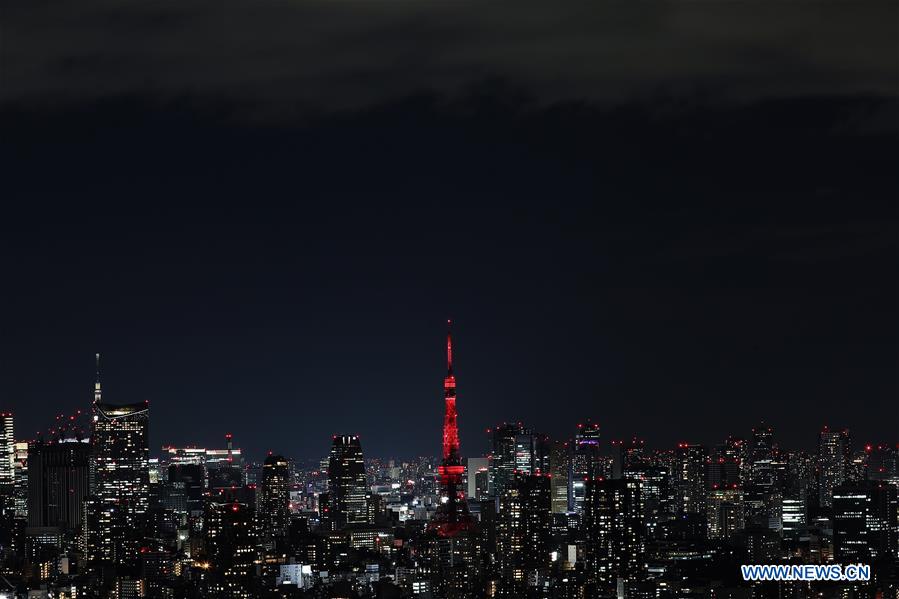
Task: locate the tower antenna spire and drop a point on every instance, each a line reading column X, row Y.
column 97, row 390
column 449, row 346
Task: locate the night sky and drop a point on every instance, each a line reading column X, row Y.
column 676, row 218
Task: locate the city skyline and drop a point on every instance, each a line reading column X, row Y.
column 58, row 423
column 427, row 299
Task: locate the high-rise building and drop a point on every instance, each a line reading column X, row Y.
column 475, row 466
column 347, row 488
column 7, row 465
column 795, row 519
column 586, row 463
column 58, row 483
column 224, row 467
column 21, row 479
column 691, row 478
column 655, row 494
column 628, row 455
column 524, row 533
column 883, row 462
column 834, row 450
column 613, row 521
column 724, row 508
column 121, row 470
column 865, row 527
column 231, row 546
column 724, row 468
column 761, row 455
column 559, row 464
column 504, row 455
column 185, row 488
column 273, row 499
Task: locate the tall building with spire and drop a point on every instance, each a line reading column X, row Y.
column 120, row 474
column 452, row 545
column 452, row 516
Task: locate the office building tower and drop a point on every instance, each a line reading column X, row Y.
column 21, row 479
column 655, row 494
column 185, row 489
column 691, row 478
column 724, row 508
column 231, row 549
column 482, row 484
column 586, row 463
column 475, row 466
column 795, row 519
column 559, row 464
column 614, row 526
column 724, row 468
column 273, row 500
column 224, row 467
column 883, row 463
column 58, row 483
column 504, row 454
column 524, row 533
column 121, row 452
column 865, row 527
column 532, row 453
column 834, row 450
column 347, row 488
column 7, row 465
column 761, row 454
column 627, row 455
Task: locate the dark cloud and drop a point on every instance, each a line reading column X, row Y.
column 345, row 54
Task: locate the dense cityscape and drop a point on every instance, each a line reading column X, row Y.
column 89, row 511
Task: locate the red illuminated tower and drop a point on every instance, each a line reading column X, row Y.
column 453, row 516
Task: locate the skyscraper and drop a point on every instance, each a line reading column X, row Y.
column 477, row 470
column 21, row 479
column 834, row 450
column 347, row 488
column 524, row 533
column 691, row 479
column 613, row 521
column 273, row 500
column 58, row 483
column 725, row 512
column 761, row 454
column 503, row 454
column 794, row 517
column 865, row 527
column 121, row 451
column 559, row 463
column 585, row 463
column 185, row 489
column 7, row 465
column 628, row 455
column 231, row 546
column 883, row 462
